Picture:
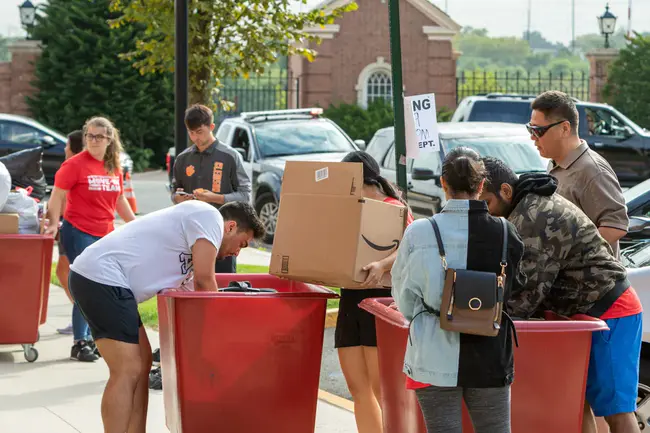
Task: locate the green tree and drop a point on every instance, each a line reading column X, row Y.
column 228, row 38
column 80, row 74
column 628, row 86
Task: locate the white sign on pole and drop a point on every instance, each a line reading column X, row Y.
column 421, row 125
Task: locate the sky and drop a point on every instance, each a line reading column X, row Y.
column 501, row 17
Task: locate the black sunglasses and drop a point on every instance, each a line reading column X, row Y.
column 539, row 131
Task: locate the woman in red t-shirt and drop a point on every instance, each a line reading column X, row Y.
column 90, row 184
column 355, row 337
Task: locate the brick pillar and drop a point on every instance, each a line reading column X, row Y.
column 441, row 60
column 599, row 61
column 24, row 54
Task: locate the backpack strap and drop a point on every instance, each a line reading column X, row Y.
column 441, row 247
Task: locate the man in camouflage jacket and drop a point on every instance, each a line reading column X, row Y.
column 571, row 269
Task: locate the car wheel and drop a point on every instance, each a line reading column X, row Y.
column 267, row 210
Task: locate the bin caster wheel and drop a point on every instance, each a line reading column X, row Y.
column 31, row 354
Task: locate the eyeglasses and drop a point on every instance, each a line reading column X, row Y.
column 92, row 137
column 539, row 131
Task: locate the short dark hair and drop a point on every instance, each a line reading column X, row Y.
column 498, row 173
column 76, row 139
column 463, row 170
column 557, row 106
column 244, row 215
column 198, row 115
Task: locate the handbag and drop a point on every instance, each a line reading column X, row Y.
column 472, row 301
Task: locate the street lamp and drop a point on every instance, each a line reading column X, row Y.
column 607, row 24
column 27, row 14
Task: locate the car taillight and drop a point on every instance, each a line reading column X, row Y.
column 168, row 160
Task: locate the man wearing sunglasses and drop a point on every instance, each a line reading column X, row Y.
column 587, row 180
column 584, row 177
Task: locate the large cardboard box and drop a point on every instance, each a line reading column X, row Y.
column 326, row 230
column 8, row 223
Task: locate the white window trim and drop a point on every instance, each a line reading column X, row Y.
column 436, row 33
column 362, row 84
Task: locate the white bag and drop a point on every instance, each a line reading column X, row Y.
column 5, row 184
column 26, row 208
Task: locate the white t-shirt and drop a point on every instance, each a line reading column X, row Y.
column 154, row 252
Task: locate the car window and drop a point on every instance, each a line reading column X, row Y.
column 430, row 161
column 300, row 137
column 604, row 122
column 222, row 134
column 379, row 145
column 519, row 153
column 500, row 111
column 241, row 140
column 19, row 133
column 389, row 161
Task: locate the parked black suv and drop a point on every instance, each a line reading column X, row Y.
column 624, row 144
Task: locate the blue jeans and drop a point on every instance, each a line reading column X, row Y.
column 75, row 242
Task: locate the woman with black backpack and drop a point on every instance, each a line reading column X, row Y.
column 451, row 278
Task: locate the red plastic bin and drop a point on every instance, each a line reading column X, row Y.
column 241, row 362
column 25, row 270
column 550, row 373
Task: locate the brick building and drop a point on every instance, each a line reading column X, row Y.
column 16, row 76
column 353, row 64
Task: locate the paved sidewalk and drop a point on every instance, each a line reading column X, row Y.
column 56, row 395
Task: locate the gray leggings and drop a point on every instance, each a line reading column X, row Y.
column 489, row 409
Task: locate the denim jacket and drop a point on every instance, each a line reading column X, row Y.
column 472, row 240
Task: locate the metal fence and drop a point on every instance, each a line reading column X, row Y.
column 277, row 91
column 470, row 83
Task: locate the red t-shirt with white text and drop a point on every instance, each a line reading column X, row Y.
column 92, row 193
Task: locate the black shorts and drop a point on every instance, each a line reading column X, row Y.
column 111, row 311
column 354, row 326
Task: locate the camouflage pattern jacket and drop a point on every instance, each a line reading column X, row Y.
column 568, row 265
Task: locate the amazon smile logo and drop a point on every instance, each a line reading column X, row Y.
column 374, row 246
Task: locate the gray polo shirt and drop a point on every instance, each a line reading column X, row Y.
column 219, row 169
column 587, row 180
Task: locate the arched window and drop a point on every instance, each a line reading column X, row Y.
column 375, row 82
column 379, row 86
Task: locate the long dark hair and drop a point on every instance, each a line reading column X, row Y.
column 372, row 175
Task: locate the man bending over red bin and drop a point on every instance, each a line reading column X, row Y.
column 571, row 269
column 132, row 264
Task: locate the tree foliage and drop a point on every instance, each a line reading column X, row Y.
column 513, row 54
column 228, row 38
column 628, row 86
column 79, row 75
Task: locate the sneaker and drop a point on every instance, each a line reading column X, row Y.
column 94, row 348
column 81, row 351
column 156, row 357
column 65, row 331
column 155, row 379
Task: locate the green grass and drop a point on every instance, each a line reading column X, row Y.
column 149, row 309
column 53, row 278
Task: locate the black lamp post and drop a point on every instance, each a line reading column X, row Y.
column 181, row 73
column 607, row 24
column 27, row 14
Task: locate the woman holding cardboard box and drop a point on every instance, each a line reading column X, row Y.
column 355, row 336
